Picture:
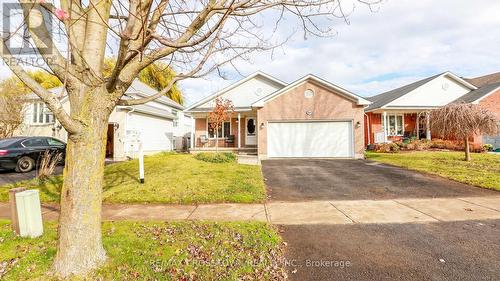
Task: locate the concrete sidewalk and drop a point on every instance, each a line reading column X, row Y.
column 309, row 212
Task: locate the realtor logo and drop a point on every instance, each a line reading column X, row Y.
column 15, row 31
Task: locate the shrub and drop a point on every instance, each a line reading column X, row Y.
column 48, row 164
column 488, row 147
column 447, row 144
column 418, row 145
column 387, row 147
column 221, row 157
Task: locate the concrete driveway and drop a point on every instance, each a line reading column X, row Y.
column 328, row 179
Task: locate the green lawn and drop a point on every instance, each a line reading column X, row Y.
column 169, row 178
column 483, row 170
column 157, row 251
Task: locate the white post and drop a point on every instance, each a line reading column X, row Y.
column 239, row 130
column 141, row 163
column 386, row 130
column 192, row 131
column 418, row 125
column 428, row 124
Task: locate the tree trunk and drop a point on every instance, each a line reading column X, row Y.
column 467, row 149
column 79, row 247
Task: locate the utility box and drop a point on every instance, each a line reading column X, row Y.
column 29, row 213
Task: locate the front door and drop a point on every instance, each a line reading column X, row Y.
column 251, row 131
column 110, row 141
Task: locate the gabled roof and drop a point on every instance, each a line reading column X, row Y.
column 358, row 99
column 383, row 99
column 143, row 90
column 234, row 85
column 137, row 88
column 479, row 94
column 151, row 110
column 485, row 80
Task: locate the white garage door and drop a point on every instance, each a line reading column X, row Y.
column 155, row 132
column 309, row 139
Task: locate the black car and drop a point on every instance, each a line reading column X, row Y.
column 23, row 154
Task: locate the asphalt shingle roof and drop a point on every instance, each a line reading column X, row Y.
column 382, row 99
column 479, row 93
column 485, row 80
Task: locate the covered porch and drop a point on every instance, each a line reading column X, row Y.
column 384, row 126
column 237, row 134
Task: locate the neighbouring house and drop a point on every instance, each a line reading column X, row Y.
column 487, row 96
column 159, row 125
column 404, row 112
column 310, row 117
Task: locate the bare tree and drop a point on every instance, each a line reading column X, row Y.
column 193, row 37
column 462, row 121
column 221, row 112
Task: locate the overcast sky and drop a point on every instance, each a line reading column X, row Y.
column 401, row 42
column 405, row 40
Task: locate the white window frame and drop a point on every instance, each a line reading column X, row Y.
column 35, row 118
column 222, row 131
column 176, row 120
column 396, row 125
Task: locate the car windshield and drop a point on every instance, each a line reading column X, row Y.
column 7, row 142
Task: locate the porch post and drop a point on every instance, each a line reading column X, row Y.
column 418, row 125
column 386, row 131
column 192, row 132
column 428, row 124
column 239, row 130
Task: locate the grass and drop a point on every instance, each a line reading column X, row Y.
column 157, row 251
column 169, row 178
column 221, row 157
column 482, row 171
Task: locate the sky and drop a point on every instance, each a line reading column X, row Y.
column 388, row 46
column 400, row 42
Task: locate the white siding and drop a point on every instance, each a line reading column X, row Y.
column 437, row 92
column 246, row 94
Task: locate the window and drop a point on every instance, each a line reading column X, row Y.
column 35, row 142
column 251, row 127
column 176, row 120
column 224, row 130
column 54, row 142
column 396, row 124
column 41, row 114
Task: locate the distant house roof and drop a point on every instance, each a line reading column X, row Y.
column 151, row 110
column 137, row 87
column 383, row 99
column 143, row 90
column 485, row 80
column 477, row 95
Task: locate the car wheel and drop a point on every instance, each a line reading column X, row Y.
column 25, row 164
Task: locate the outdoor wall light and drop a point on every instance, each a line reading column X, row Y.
column 262, row 125
column 309, row 113
column 358, row 124
column 116, row 126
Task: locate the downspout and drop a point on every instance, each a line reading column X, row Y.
column 368, row 128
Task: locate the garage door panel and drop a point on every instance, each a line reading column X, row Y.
column 155, row 133
column 309, row 139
